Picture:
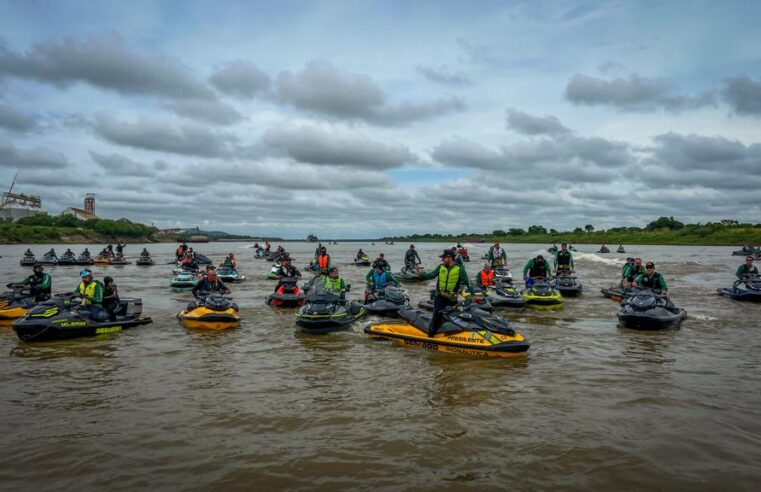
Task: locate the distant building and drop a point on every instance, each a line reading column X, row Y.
column 88, row 213
column 16, row 206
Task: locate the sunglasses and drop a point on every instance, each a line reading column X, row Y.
column 650, row 268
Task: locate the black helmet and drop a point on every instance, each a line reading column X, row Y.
column 108, row 280
column 37, row 265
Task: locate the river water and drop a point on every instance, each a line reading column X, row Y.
column 590, row 406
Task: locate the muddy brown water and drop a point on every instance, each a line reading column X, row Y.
column 590, row 406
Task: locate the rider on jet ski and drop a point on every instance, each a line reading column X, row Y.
column 496, row 255
column 92, row 295
column 632, row 270
column 485, row 277
column 286, row 271
column 334, row 283
column 564, row 259
column 360, row 254
column 230, row 262
column 536, row 268
column 381, row 260
column 746, row 269
column 39, row 283
column 410, row 257
column 378, row 278
column 110, row 297
column 451, row 277
column 652, row 279
column 210, row 283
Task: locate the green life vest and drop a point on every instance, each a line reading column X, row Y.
column 333, row 285
column 448, row 279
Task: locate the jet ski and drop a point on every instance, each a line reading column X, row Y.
column 210, row 312
column 502, row 274
column 744, row 290
column 552, row 249
column 541, row 295
column 567, row 284
column 259, row 253
column 621, row 250
column 184, row 280
column 28, row 260
column 464, row 330
column 48, row 259
column 272, row 274
column 102, row 260
column 144, row 260
column 603, row 249
column 68, row 258
column 313, row 266
column 119, row 260
column 746, row 252
column 288, row 294
column 84, row 259
column 503, row 295
column 324, row 312
column 15, row 303
column 363, row 261
column 63, row 316
column 648, row 310
column 409, row 275
column 229, row 275
column 387, row 302
column 618, row 292
column 202, row 259
column 478, row 299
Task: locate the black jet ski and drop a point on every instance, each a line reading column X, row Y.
column 84, row 259
column 503, row 294
column 502, row 274
column 648, row 310
column 464, row 330
column 324, row 312
column 68, row 258
column 387, row 302
column 288, row 294
column 745, row 252
column 144, row 260
column 568, row 285
column 119, row 260
column 410, row 275
column 478, row 299
column 28, row 260
column 621, row 250
column 618, row 292
column 49, row 259
column 64, row 317
column 15, row 303
column 748, row 289
column 603, row 249
column 363, row 261
column 552, row 249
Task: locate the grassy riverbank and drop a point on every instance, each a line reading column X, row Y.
column 69, row 230
column 662, row 231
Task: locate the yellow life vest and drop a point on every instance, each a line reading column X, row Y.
column 448, row 278
column 87, row 291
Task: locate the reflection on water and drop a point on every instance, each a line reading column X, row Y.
column 590, row 406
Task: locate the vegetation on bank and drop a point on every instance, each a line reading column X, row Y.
column 665, row 230
column 46, row 229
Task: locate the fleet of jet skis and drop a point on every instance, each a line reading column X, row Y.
column 463, row 320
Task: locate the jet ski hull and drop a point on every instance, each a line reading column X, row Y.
column 143, row 261
column 481, row 343
column 27, row 261
column 202, row 318
column 320, row 324
column 749, row 295
column 649, row 321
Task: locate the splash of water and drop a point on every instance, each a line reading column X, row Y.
column 598, row 259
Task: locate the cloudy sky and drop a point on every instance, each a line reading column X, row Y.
column 362, row 119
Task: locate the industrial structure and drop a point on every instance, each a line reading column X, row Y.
column 15, row 206
column 88, row 213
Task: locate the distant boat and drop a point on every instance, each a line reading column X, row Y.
column 194, row 239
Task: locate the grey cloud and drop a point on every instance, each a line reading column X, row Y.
column 30, row 158
column 527, row 124
column 49, row 179
column 633, row 94
column 14, row 120
column 161, row 136
column 214, row 112
column 316, row 146
column 117, row 164
column 240, row 78
column 322, row 88
column 103, row 61
column 443, row 75
column 743, row 94
column 459, row 152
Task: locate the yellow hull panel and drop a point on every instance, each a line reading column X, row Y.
column 195, row 319
column 8, row 316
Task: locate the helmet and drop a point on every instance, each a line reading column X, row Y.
column 108, row 280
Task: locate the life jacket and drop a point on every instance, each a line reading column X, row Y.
column 448, row 280
column 564, row 258
column 380, row 281
column 464, row 252
column 88, row 291
column 538, row 270
column 487, row 279
column 651, row 281
column 323, row 261
column 496, row 253
column 333, row 285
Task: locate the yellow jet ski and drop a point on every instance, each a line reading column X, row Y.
column 541, row 295
column 464, row 330
column 15, row 303
column 214, row 312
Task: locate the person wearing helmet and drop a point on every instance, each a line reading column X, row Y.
column 91, row 292
column 39, row 283
column 536, row 269
column 411, row 258
column 110, row 297
column 451, row 278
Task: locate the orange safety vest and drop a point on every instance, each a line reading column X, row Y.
column 323, row 261
column 487, row 279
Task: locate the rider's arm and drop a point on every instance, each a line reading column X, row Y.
column 45, row 282
column 431, row 275
column 638, row 279
column 528, row 266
